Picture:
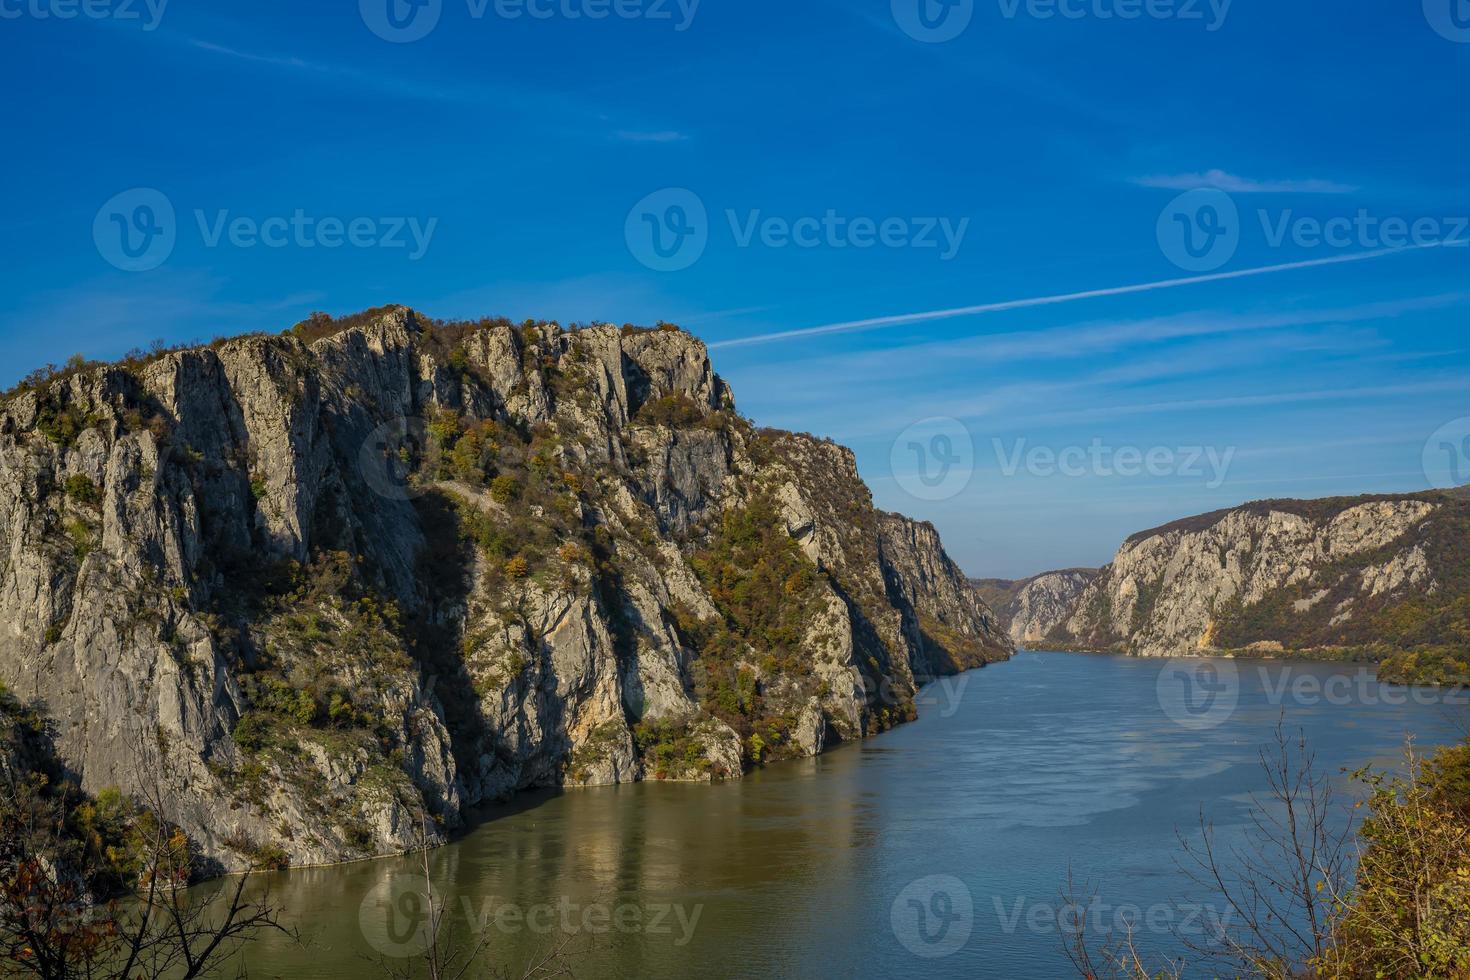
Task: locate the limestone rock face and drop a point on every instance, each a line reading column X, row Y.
column 1032, row 608
column 1279, row 576
column 311, row 586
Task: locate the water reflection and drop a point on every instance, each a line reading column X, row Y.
column 1049, row 762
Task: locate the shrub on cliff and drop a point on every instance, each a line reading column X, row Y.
column 671, row 410
column 1408, row 914
column 766, row 591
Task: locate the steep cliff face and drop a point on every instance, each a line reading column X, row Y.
column 1030, row 609
column 1343, row 576
column 305, row 586
column 956, row 629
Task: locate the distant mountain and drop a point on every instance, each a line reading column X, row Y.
column 1362, row 577
column 1030, row 609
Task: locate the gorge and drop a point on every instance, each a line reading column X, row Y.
column 321, row 590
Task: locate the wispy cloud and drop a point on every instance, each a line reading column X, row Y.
column 659, row 136
column 901, row 319
column 106, row 316
column 1103, row 337
column 1091, row 339
column 577, row 116
column 345, row 75
column 722, row 314
column 279, row 61
column 1345, row 393
column 1230, row 183
column 983, row 376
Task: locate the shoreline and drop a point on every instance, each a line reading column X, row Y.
column 1271, row 656
column 471, row 825
column 1258, row 657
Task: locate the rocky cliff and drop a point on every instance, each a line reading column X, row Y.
column 1359, row 576
column 307, row 586
column 1030, row 609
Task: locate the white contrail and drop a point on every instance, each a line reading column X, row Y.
column 1020, row 304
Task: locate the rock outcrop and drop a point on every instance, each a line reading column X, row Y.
column 307, row 587
column 1359, row 577
column 1030, row 609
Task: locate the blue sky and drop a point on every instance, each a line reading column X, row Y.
column 836, row 163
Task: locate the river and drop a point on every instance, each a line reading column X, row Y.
column 939, row 849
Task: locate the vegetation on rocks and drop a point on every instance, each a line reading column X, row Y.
column 383, row 564
column 1434, row 667
column 766, row 591
column 1362, row 578
column 98, row 886
column 1408, row 910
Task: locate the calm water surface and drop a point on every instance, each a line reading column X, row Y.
column 1011, row 775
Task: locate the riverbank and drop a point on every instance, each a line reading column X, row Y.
column 1005, row 780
